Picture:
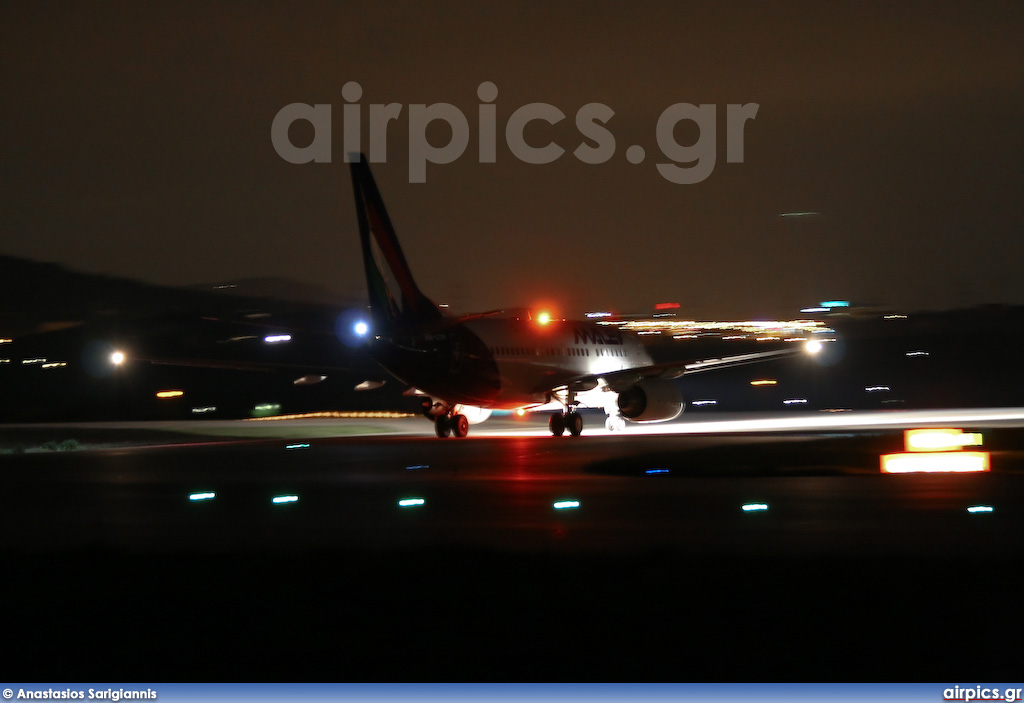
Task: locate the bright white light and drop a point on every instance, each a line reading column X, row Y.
column 303, row 445
column 276, row 338
column 935, row 462
column 980, row 509
column 752, row 507
column 285, row 499
column 566, row 505
column 930, row 440
column 813, row 346
column 704, row 402
column 877, row 389
column 361, row 328
column 410, row 502
column 117, row 358
column 202, row 496
column 795, row 401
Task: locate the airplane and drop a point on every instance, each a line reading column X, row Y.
column 465, row 367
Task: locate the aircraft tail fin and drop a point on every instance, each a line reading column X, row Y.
column 395, row 300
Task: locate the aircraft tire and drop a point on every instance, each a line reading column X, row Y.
column 574, row 423
column 615, row 424
column 556, row 424
column 442, row 426
column 459, row 425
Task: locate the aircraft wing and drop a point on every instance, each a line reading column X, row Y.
column 624, row 379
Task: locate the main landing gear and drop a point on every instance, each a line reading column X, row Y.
column 447, row 422
column 445, row 425
column 570, row 420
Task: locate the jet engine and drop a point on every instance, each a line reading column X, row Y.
column 652, row 400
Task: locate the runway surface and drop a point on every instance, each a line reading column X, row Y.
column 506, row 554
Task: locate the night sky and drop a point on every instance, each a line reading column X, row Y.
column 135, row 141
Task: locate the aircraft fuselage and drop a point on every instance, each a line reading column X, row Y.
column 504, row 363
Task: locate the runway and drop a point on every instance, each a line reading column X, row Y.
column 493, row 554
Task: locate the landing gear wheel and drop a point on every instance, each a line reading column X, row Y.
column 442, row 426
column 574, row 423
column 459, row 425
column 557, row 424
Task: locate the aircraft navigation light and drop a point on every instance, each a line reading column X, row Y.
column 566, row 505
column 411, row 502
column 277, row 338
column 754, row 507
column 277, row 500
column 117, row 358
column 980, row 509
column 209, row 495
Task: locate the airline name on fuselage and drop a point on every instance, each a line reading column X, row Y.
column 589, row 335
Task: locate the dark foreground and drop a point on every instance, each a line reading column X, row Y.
column 112, row 573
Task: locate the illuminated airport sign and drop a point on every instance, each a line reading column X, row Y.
column 935, row 462
column 937, row 440
column 936, row 450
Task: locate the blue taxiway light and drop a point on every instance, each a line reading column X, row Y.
column 566, row 505
column 754, row 507
column 656, row 471
column 285, row 499
column 304, row 445
column 417, row 467
column 209, row 495
column 980, row 509
column 411, row 502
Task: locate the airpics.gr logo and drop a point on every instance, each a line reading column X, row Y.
column 690, row 163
